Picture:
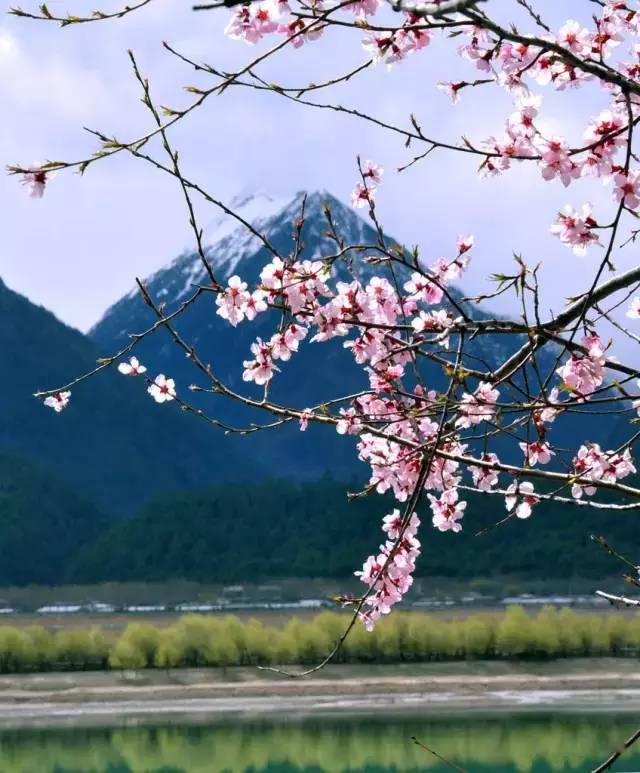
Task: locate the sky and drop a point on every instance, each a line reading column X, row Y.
column 80, row 248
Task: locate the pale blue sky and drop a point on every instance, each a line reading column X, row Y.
column 79, row 249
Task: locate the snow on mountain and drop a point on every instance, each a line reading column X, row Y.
column 231, row 248
column 253, row 207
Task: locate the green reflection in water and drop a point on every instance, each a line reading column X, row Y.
column 495, row 744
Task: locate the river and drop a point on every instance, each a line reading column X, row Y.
column 491, row 743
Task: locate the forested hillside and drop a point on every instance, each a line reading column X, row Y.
column 207, row 506
column 281, row 529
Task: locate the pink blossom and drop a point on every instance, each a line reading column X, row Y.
column 548, row 413
column 372, row 172
column 575, row 38
column 255, row 304
column 132, row 368
column 522, row 497
column 521, row 122
column 447, row 511
column 283, row 345
column 536, row 452
column 162, row 389
column 484, row 478
column 349, row 423
column 362, row 196
column 556, row 162
column 364, row 7
column 388, row 576
column 633, row 312
column 36, row 179
column 232, row 304
column 384, row 47
column 584, row 372
column 423, row 289
column 595, row 465
column 479, row 49
column 58, row 402
column 603, row 126
column 627, row 188
column 576, row 229
column 304, row 420
column 452, row 89
column 261, row 368
column 251, row 22
column 478, row 407
column 464, row 244
column 300, row 31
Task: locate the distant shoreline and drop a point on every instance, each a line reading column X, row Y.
column 98, row 698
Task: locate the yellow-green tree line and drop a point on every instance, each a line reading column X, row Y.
column 412, row 637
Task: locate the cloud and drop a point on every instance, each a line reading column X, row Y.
column 80, row 249
column 56, row 86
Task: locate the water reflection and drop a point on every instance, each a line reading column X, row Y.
column 521, row 744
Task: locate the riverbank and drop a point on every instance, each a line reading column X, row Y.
column 96, row 697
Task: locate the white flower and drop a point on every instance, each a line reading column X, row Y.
column 633, row 312
column 58, row 401
column 528, row 499
column 131, row 368
column 163, row 389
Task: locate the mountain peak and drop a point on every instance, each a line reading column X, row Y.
column 232, row 248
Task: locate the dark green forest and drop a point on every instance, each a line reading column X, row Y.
column 277, row 529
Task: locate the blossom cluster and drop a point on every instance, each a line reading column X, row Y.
column 388, row 575
column 409, row 434
column 593, row 464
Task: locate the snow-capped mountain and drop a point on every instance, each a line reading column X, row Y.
column 231, row 248
column 318, row 372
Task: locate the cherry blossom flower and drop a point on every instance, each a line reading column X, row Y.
column 556, row 162
column 388, row 576
column 548, row 413
column 424, row 289
column 233, row 303
column 522, row 497
column 372, row 172
column 162, row 389
column 484, row 478
column 251, row 22
column 633, row 312
column 447, row 511
column 384, row 47
column 349, row 423
column 576, row 229
column 255, row 304
column 283, row 345
column 584, row 372
column 300, row 31
column 596, row 465
column 262, row 367
column 132, row 368
column 536, row 452
column 364, row 7
column 37, row 179
column 464, row 244
column 452, row 89
column 362, row 196
column 480, row 406
column 58, row 402
column 304, row 420
column 521, row 121
column 627, row 189
column 575, row 38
